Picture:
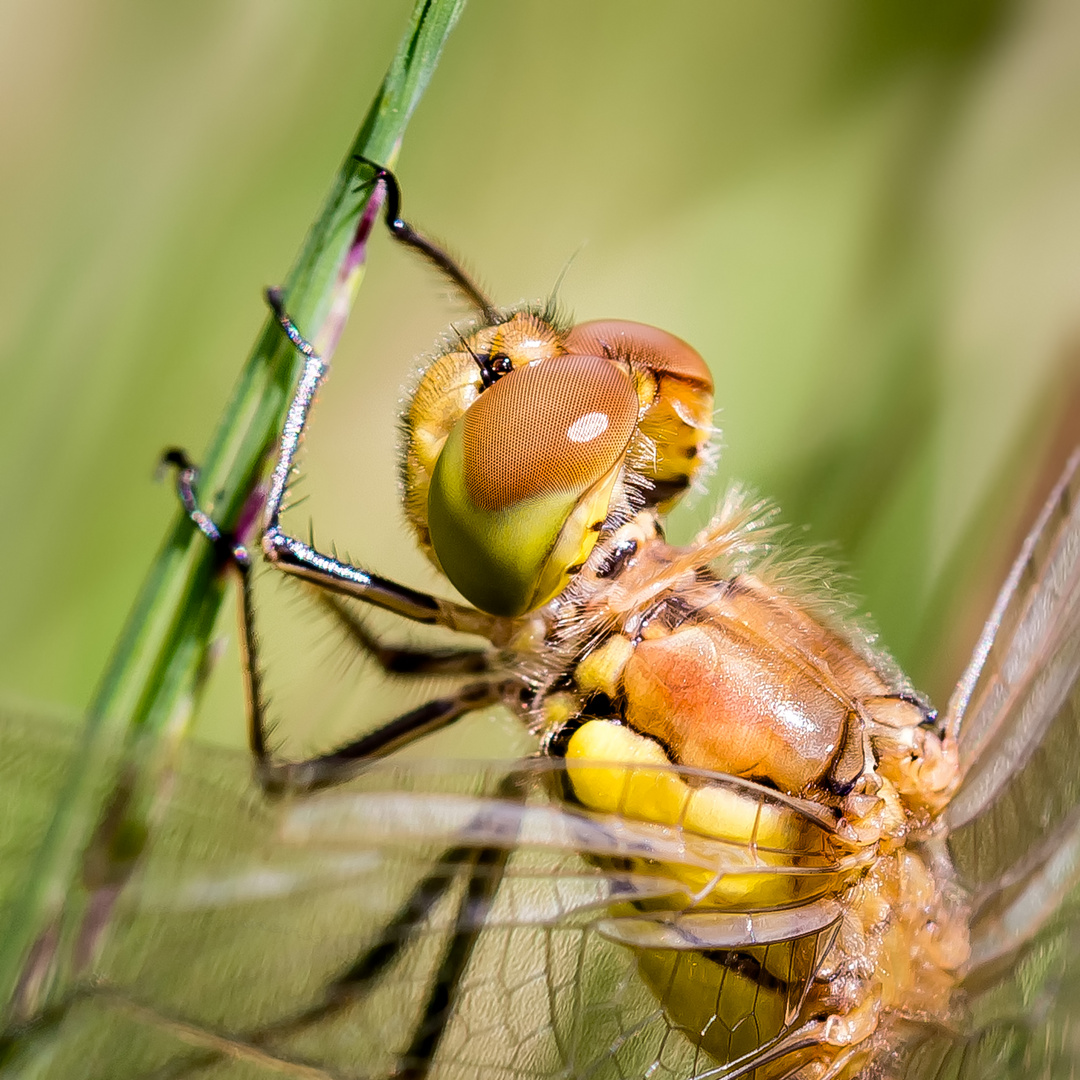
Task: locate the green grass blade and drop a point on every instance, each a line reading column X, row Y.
column 149, row 686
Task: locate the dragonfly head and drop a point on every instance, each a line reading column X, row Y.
column 528, row 439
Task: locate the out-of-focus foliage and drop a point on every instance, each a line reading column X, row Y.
column 867, row 217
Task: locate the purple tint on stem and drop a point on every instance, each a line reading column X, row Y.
column 250, row 515
column 332, row 328
column 358, row 250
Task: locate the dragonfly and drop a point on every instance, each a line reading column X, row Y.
column 742, row 845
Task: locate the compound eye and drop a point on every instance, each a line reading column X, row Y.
column 647, row 346
column 533, row 456
column 676, row 390
column 556, row 426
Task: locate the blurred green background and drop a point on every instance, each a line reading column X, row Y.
column 866, row 217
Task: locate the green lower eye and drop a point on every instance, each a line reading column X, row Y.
column 495, row 558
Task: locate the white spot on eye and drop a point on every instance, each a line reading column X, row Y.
column 588, row 427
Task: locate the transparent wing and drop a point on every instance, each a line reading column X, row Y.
column 1013, row 708
column 222, row 947
column 1014, row 824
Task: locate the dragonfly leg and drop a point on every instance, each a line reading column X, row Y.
column 293, row 556
column 345, row 761
column 488, row 869
column 297, row 558
column 229, row 550
column 405, row 234
column 342, row 763
column 398, row 660
column 483, row 869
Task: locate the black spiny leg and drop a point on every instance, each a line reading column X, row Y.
column 302, row 560
column 293, row 556
column 229, row 551
column 345, row 761
column 405, row 234
column 399, row 660
column 484, row 869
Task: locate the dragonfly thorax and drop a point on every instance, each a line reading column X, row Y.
column 726, row 668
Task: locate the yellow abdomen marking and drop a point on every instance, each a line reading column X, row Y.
column 614, row 770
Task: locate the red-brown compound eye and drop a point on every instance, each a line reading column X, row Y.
column 638, row 343
column 525, row 475
column 555, row 426
column 675, row 389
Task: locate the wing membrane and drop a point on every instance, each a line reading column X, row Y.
column 245, row 910
column 1014, row 824
column 1024, row 670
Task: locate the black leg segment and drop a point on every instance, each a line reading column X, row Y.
column 404, row 233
